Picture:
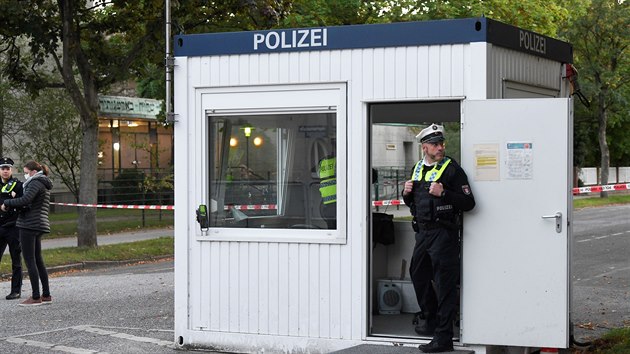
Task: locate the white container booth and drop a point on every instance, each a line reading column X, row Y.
column 275, row 268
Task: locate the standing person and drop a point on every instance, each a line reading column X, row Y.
column 437, row 194
column 9, row 234
column 33, row 223
column 327, row 172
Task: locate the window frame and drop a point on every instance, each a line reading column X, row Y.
column 267, row 100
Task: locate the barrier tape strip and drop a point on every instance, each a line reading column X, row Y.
column 580, row 190
column 113, row 206
column 606, row 188
column 251, row 207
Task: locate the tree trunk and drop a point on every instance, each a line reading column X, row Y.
column 88, row 187
column 603, row 145
column 2, row 122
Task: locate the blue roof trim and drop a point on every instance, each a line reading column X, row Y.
column 365, row 36
column 337, row 37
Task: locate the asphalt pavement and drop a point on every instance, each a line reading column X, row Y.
column 130, row 309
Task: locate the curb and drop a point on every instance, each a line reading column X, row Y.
column 90, row 265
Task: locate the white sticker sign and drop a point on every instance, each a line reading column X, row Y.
column 520, row 160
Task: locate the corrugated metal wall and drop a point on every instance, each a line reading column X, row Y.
column 505, row 64
column 308, row 290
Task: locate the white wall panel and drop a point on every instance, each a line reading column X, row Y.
column 423, row 71
column 400, row 71
column 446, row 68
column 310, row 290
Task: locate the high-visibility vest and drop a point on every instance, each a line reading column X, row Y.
column 8, row 188
column 328, row 180
column 432, row 175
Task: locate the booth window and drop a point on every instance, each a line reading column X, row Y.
column 273, row 170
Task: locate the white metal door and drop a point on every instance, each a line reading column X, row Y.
column 515, row 279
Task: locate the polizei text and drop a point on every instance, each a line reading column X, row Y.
column 298, row 38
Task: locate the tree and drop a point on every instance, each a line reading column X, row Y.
column 542, row 16
column 46, row 129
column 600, row 36
column 84, row 47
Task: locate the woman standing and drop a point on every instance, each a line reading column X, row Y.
column 33, row 223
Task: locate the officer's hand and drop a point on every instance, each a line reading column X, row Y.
column 408, row 187
column 13, row 194
column 3, row 207
column 436, row 189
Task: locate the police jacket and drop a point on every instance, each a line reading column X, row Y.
column 328, row 180
column 457, row 196
column 37, row 198
column 9, row 217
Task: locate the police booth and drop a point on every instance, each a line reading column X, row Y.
column 275, row 253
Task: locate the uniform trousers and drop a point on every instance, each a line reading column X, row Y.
column 436, row 258
column 10, row 236
column 32, row 248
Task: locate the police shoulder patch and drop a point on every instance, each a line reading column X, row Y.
column 466, row 189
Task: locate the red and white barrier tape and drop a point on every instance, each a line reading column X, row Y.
column 387, row 202
column 113, row 206
column 251, row 207
column 166, row 207
column 580, row 190
column 606, row 188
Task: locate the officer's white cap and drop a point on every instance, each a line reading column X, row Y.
column 431, row 134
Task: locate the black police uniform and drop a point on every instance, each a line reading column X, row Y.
column 436, row 254
column 9, row 233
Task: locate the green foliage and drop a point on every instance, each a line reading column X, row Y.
column 617, row 341
column 46, row 128
column 542, row 16
column 600, row 34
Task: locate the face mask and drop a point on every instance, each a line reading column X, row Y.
column 26, row 176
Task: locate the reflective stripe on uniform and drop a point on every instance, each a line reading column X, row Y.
column 433, row 175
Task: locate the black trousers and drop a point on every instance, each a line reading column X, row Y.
column 32, row 249
column 10, row 236
column 436, row 259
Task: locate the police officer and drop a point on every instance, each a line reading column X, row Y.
column 10, row 187
column 437, row 193
column 327, row 171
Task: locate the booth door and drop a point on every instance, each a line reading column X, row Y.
column 515, row 276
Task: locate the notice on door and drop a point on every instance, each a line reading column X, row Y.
column 520, row 160
column 486, row 162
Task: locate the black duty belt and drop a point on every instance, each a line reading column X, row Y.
column 429, row 225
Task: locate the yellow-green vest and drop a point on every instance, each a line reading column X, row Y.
column 328, row 180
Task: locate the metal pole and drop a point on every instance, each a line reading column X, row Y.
column 169, row 62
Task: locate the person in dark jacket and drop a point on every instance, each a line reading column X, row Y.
column 33, row 223
column 10, row 187
column 437, row 194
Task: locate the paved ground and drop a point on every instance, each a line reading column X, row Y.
column 136, row 315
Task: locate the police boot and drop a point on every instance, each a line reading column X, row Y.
column 426, row 326
column 436, row 346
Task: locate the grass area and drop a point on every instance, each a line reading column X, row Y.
column 617, row 341
column 162, row 246
column 111, row 221
column 597, row 201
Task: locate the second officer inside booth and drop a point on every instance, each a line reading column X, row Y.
column 327, row 173
column 437, row 194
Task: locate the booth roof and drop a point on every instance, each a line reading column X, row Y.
column 456, row 31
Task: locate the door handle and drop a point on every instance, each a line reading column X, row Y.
column 558, row 217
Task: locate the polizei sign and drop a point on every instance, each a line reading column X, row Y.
column 300, row 38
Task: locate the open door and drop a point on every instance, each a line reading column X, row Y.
column 516, row 288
